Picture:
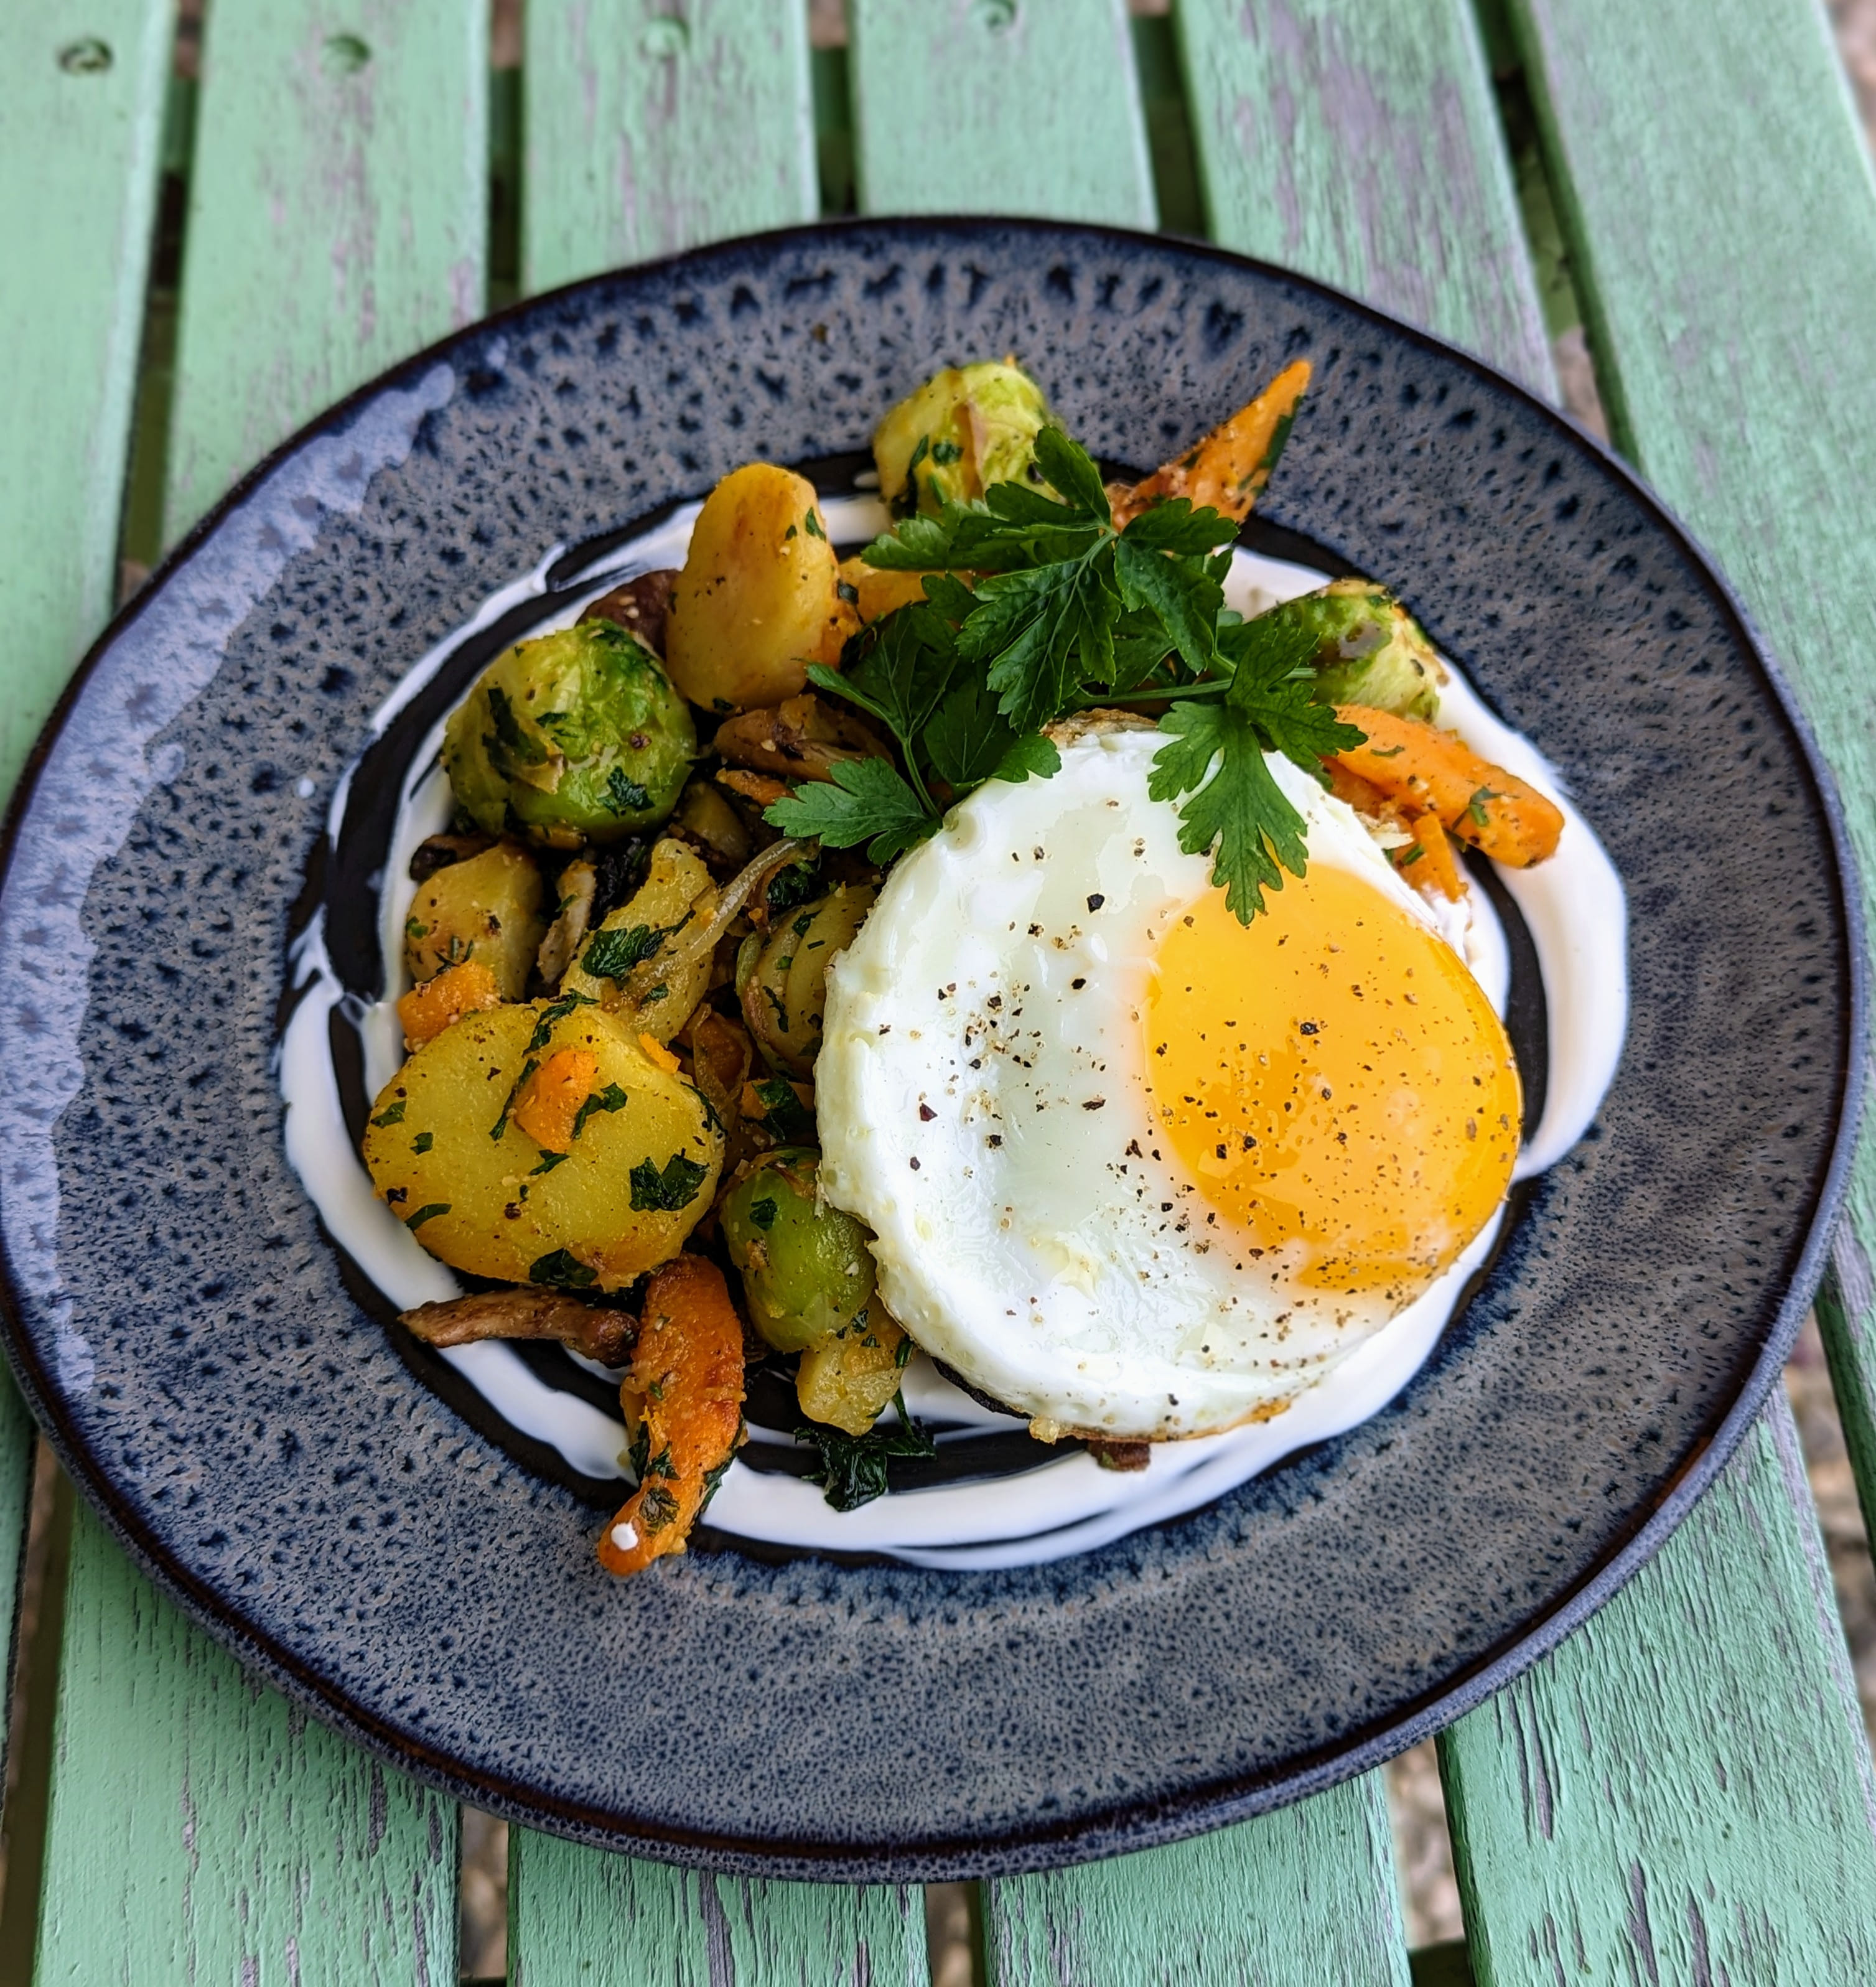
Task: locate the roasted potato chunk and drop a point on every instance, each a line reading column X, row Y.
column 847, row 1380
column 640, row 1170
column 758, row 598
column 784, row 997
column 487, row 908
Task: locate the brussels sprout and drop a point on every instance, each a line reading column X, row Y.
column 1369, row 649
column 807, row 1271
column 782, row 984
column 574, row 736
column 966, row 428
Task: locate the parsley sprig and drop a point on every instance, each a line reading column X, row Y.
column 1067, row 612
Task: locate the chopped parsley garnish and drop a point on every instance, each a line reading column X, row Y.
column 423, row 1141
column 426, row 1213
column 612, row 953
column 562, row 1270
column 392, row 1114
column 527, row 1069
column 1067, row 613
column 549, row 1161
column 813, row 527
column 797, row 883
column 853, row 1471
column 624, row 795
column 611, row 1098
column 657, row 1507
column 555, row 1010
column 784, row 1114
column 763, row 1213
column 516, row 748
column 1476, row 806
column 655, row 1192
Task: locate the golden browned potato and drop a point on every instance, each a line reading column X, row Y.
column 784, row 995
column 846, row 1380
column 758, row 600
column 487, row 908
column 877, row 590
column 676, row 896
column 643, row 1151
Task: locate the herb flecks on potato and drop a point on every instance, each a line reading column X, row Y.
column 684, row 1393
column 649, row 930
column 639, row 1171
column 487, row 908
column 758, row 598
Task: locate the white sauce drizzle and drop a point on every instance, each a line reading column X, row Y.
column 1574, row 906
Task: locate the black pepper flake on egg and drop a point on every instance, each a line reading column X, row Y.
column 926, row 1113
column 1096, row 901
column 915, row 1163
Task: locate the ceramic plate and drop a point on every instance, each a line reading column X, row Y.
column 349, row 1518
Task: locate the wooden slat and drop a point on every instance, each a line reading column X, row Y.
column 338, row 216
column 1305, row 1898
column 1666, row 1799
column 1701, row 1804
column 201, row 1830
column 81, row 114
column 337, row 223
column 576, row 1917
column 16, row 1446
column 1718, row 195
column 650, row 129
column 1361, row 145
column 998, row 106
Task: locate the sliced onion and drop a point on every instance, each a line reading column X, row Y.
column 699, row 943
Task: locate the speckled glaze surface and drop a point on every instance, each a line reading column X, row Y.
column 181, row 1325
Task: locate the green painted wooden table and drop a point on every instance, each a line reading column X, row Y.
column 207, row 238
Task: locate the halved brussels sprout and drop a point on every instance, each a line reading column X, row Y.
column 783, row 984
column 1369, row 649
column 574, row 736
column 966, row 428
column 807, row 1271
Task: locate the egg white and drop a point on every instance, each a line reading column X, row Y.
column 984, row 1110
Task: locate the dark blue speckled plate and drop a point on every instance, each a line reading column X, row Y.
column 182, row 1327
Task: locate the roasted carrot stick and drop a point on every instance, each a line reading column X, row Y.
column 426, row 1011
column 1426, row 862
column 1229, row 468
column 687, row 1383
column 1426, row 771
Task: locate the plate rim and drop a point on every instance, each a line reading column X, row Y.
column 1130, row 1823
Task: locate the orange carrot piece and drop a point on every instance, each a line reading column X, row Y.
column 551, row 1099
column 1426, row 862
column 1229, row 468
column 878, row 589
column 426, row 1011
column 687, row 1380
column 1426, row 771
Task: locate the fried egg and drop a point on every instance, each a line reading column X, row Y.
column 1135, row 1170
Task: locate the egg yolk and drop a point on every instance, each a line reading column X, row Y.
column 1331, row 1076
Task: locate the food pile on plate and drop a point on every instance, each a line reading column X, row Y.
column 989, row 943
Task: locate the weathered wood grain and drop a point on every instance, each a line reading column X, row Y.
column 1717, row 193
column 577, row 1917
column 651, row 129
column 1720, row 217
column 1668, row 1799
column 1361, row 145
column 338, row 211
column 1304, row 1898
column 80, row 123
column 203, row 1829
column 998, row 106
